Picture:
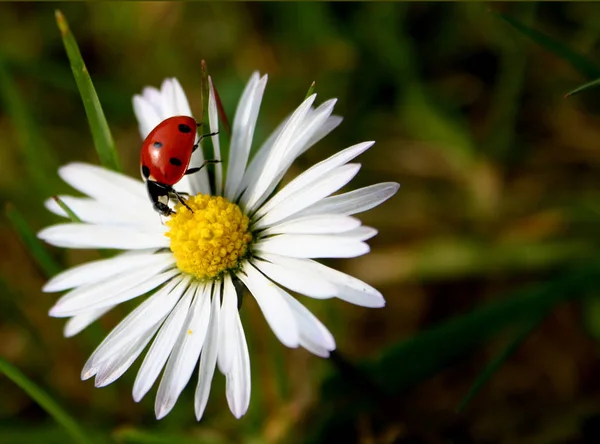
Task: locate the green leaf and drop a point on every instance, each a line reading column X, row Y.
column 582, row 64
column 33, row 244
column 38, row 157
column 45, row 401
column 105, row 146
column 588, row 85
column 492, row 367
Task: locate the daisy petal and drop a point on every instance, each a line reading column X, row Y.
column 213, row 120
column 208, row 358
column 163, row 345
column 276, row 311
column 243, row 132
column 321, row 224
column 76, row 235
column 146, row 115
column 237, row 385
column 186, row 353
column 354, row 202
column 77, row 323
column 100, row 270
column 227, row 339
column 312, row 246
column 360, row 233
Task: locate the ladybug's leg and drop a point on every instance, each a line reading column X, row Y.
column 202, row 137
column 159, row 195
column 195, row 170
column 180, row 198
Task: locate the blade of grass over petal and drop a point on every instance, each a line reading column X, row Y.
column 592, row 84
column 37, row 156
column 66, row 209
column 45, row 401
column 103, row 141
column 311, row 90
column 35, row 247
column 582, row 64
column 492, row 367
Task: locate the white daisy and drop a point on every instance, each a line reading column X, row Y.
column 186, row 266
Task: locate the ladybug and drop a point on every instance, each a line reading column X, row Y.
column 165, row 157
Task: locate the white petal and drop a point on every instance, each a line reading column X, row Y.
column 277, row 154
column 314, row 174
column 354, row 202
column 163, row 345
column 227, row 339
column 320, row 224
column 311, row 192
column 112, row 369
column 208, row 358
column 312, row 246
column 100, row 270
column 360, row 233
column 274, row 308
column 213, row 120
column 242, row 133
column 77, row 323
column 109, row 293
column 105, row 185
column 148, row 314
column 348, row 288
column 312, row 331
column 328, row 126
column 238, row 385
column 282, row 270
column 76, row 235
column 181, row 104
column 186, row 353
column 146, row 115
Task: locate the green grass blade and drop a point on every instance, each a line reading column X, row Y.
column 45, row 401
column 71, row 215
column 582, row 64
column 37, row 155
column 311, row 90
column 103, row 141
column 495, row 364
column 33, row 244
column 582, row 88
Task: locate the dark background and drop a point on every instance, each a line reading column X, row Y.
column 497, row 213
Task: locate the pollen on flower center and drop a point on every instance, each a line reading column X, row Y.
column 210, row 240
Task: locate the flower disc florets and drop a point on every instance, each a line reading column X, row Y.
column 212, row 239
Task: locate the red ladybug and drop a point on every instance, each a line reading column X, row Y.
column 165, row 158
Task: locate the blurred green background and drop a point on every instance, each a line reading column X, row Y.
column 487, row 256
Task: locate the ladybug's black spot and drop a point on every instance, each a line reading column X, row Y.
column 145, row 171
column 175, row 161
column 184, row 128
column 157, row 145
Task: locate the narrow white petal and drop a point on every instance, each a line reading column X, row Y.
column 105, row 185
column 148, row 314
column 167, row 104
column 112, row 369
column 181, row 104
column 354, row 202
column 277, row 155
column 146, row 115
column 311, row 192
column 360, row 233
column 162, row 346
column 282, row 270
column 76, row 235
column 320, row 224
column 208, row 358
column 109, row 293
column 242, row 133
column 100, row 270
column 275, row 309
column 312, row 246
column 312, row 331
column 154, row 97
column 314, row 174
column 213, row 121
column 227, row 326
column 328, row 126
column 95, row 212
column 77, row 323
column 348, row 288
column 238, row 385
column 186, row 353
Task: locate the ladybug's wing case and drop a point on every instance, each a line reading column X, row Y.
column 168, row 149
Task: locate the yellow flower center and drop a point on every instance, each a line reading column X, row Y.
column 210, row 240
